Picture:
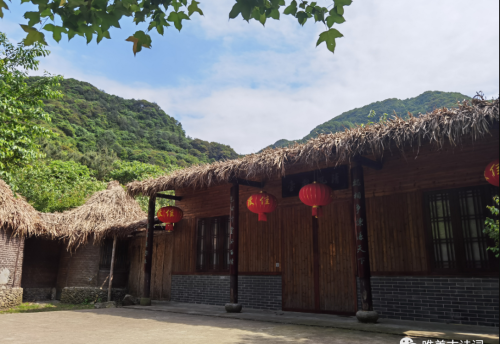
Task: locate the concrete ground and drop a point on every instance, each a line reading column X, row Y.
column 136, row 325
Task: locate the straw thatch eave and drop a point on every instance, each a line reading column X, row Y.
column 470, row 120
column 107, row 213
column 18, row 217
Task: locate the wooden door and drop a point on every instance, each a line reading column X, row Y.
column 337, row 270
column 332, row 289
column 298, row 270
column 161, row 272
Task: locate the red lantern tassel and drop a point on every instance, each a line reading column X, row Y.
column 169, row 227
column 262, row 217
column 317, row 211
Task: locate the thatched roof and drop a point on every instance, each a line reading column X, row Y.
column 470, row 120
column 107, row 213
column 17, row 216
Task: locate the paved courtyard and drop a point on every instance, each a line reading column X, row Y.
column 129, row 325
column 123, row 326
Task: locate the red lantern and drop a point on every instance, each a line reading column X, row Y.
column 261, row 204
column 491, row 173
column 316, row 195
column 170, row 215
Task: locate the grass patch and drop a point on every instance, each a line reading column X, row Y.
column 31, row 307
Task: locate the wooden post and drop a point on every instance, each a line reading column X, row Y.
column 360, row 225
column 148, row 262
column 111, row 268
column 315, row 228
column 234, row 214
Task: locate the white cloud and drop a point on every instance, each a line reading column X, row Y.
column 249, row 99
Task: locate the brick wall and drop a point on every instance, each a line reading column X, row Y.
column 470, row 301
column 40, row 263
column 81, row 269
column 262, row 292
column 11, row 260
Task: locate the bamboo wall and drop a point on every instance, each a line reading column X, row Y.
column 394, row 216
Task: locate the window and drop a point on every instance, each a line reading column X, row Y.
column 120, row 255
column 455, row 221
column 212, row 246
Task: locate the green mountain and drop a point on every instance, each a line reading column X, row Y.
column 426, row 102
column 87, row 119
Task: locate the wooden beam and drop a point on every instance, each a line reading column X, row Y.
column 250, row 183
column 175, row 198
column 148, row 261
column 361, row 160
column 360, row 228
column 111, row 269
column 234, row 215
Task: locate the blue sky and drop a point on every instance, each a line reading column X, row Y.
column 248, row 86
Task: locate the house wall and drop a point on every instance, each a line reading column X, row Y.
column 80, row 278
column 40, row 268
column 396, row 233
column 11, row 258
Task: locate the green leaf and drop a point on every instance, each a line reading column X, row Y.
column 194, row 8
column 235, row 11
column 57, row 31
column 329, row 38
column 302, row 17
column 101, row 35
column 140, row 39
column 34, row 18
column 292, row 9
column 333, row 18
column 3, row 5
column 75, row 3
column 176, row 18
column 275, row 14
column 339, row 4
column 176, row 4
column 247, row 7
column 33, row 36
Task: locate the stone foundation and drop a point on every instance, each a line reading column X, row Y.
column 76, row 295
column 260, row 292
column 37, row 294
column 468, row 301
column 10, row 297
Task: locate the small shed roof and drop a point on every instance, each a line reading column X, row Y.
column 470, row 120
column 18, row 216
column 107, row 213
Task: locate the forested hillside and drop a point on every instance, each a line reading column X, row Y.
column 426, row 102
column 89, row 120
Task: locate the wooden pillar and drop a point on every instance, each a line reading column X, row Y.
column 315, row 227
column 148, row 262
column 111, row 268
column 360, row 225
column 234, row 214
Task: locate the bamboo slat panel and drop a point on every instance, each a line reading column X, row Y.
column 337, row 280
column 448, row 168
column 184, row 246
column 396, row 233
column 136, row 274
column 161, row 271
column 297, row 272
column 259, row 242
column 161, row 274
